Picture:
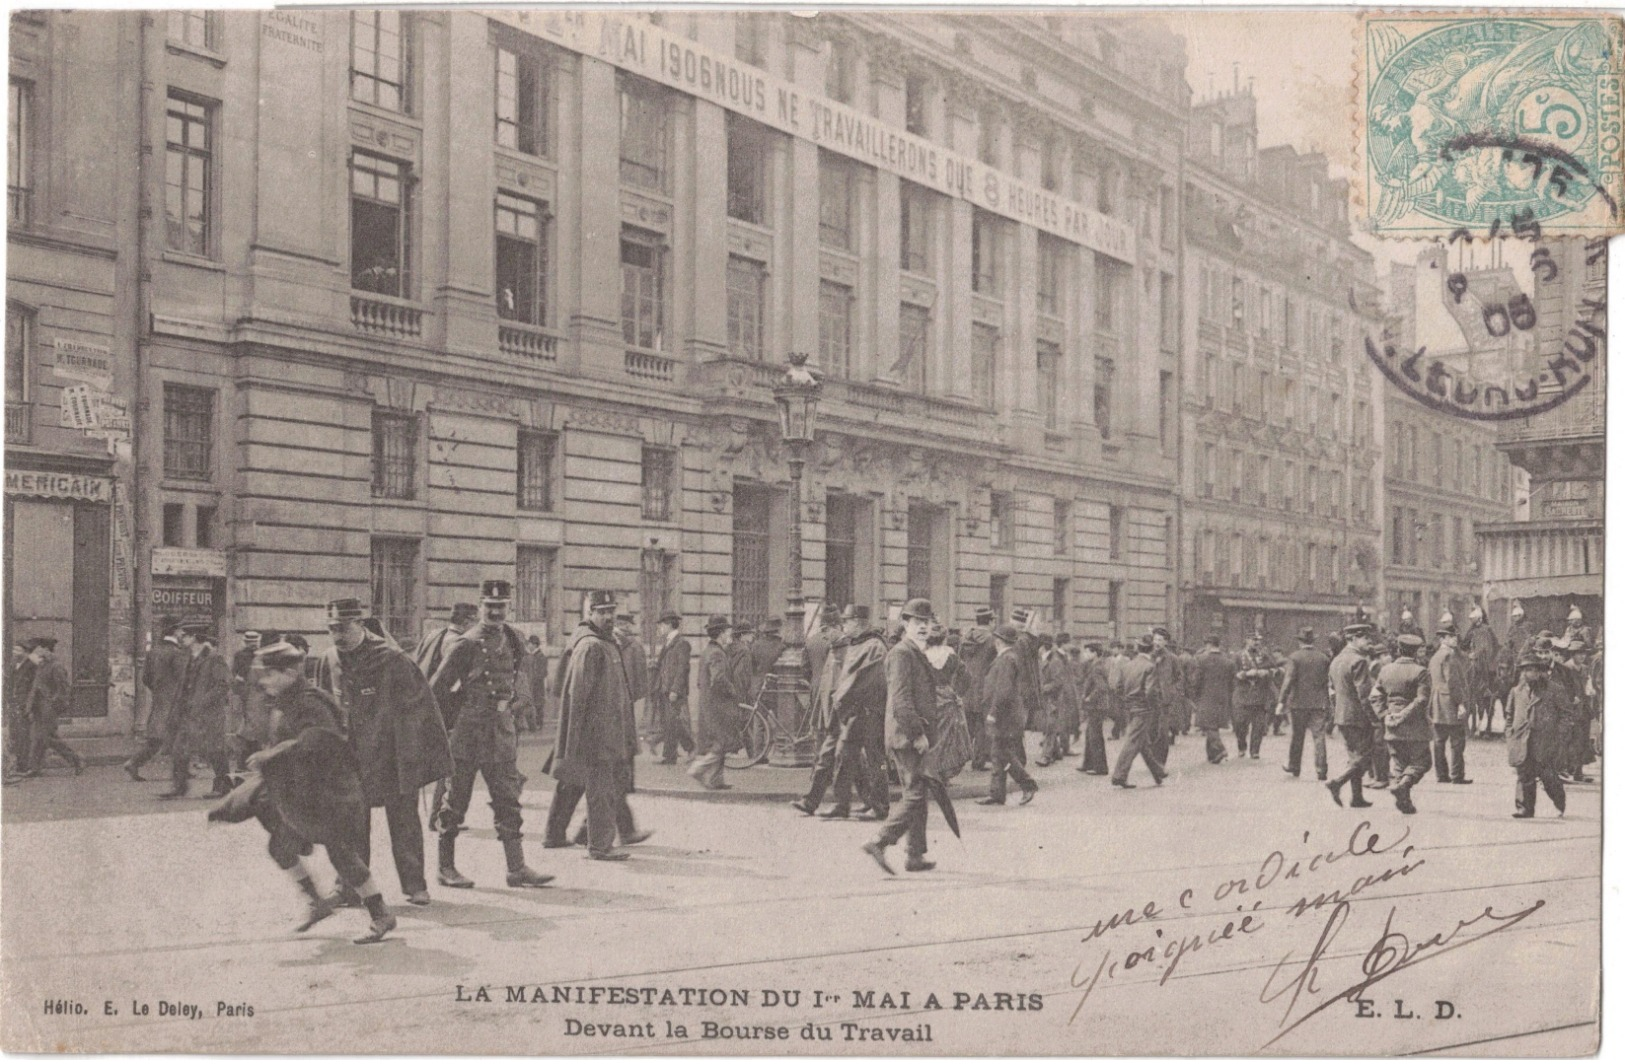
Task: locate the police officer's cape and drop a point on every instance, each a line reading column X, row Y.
column 596, row 726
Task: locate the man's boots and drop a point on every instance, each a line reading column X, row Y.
column 519, row 873
column 449, row 876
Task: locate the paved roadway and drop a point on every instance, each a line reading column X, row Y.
column 115, row 901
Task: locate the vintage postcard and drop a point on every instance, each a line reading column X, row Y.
column 838, row 532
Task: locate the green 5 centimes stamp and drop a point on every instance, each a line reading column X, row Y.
column 1468, row 122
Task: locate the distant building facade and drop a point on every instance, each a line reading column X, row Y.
column 1552, row 559
column 1445, row 479
column 70, row 543
column 428, row 297
column 1281, row 478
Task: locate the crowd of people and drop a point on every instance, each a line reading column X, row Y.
column 307, row 744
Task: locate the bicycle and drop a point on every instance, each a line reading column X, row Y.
column 762, row 729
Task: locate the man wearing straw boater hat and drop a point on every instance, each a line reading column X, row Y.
column 475, row 684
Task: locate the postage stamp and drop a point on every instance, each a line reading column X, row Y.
column 1466, row 121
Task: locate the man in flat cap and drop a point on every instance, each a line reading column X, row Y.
column 395, row 728
column 1350, row 678
column 312, row 792
column 200, row 721
column 49, row 698
column 668, row 694
column 911, row 711
column 719, row 717
column 1304, row 689
column 475, row 686
column 1401, row 695
column 597, row 735
column 1450, row 704
column 161, row 675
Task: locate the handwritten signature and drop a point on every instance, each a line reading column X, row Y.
column 1391, row 953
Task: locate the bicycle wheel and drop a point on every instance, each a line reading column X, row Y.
column 757, row 740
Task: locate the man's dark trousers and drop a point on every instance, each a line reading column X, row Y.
column 908, row 815
column 1360, row 741
column 1312, row 722
column 1250, row 723
column 1009, row 755
column 1411, row 761
column 1451, row 740
column 405, row 841
column 1138, row 744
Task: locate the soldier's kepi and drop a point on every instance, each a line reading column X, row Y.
column 475, row 683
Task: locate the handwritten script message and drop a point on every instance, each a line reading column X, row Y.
column 1308, row 891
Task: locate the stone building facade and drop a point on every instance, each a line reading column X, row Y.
column 437, row 297
column 1443, row 476
column 70, row 355
column 1551, row 558
column 1282, row 477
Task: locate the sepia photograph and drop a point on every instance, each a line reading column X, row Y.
column 843, row 531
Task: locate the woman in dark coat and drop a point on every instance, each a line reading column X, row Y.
column 311, row 790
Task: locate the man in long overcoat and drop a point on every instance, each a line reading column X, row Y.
column 50, row 697
column 669, row 691
column 977, row 651
column 475, row 685
column 198, row 727
column 859, row 707
column 1137, row 686
column 911, row 710
column 597, row 731
column 1304, row 697
column 719, row 717
column 431, row 649
column 1094, row 703
column 1535, row 736
column 1350, row 677
column 396, row 730
column 1213, row 675
column 162, row 674
column 832, row 727
column 1449, row 705
column 1004, row 720
column 635, row 659
column 312, row 792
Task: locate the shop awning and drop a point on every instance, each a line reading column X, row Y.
column 1286, row 607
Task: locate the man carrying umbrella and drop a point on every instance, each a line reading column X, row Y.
column 911, row 704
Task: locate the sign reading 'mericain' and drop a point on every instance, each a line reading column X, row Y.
column 650, row 52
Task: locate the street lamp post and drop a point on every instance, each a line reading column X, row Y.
column 797, row 397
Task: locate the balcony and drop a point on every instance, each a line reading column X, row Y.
column 19, row 422
column 385, row 316
column 649, row 366
column 530, row 342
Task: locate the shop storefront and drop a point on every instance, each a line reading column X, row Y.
column 58, row 559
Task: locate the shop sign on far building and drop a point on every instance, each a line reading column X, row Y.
column 188, row 561
column 79, row 361
column 78, row 409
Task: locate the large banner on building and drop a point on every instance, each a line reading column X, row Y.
column 646, row 50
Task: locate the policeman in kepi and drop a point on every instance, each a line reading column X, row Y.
column 475, row 688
